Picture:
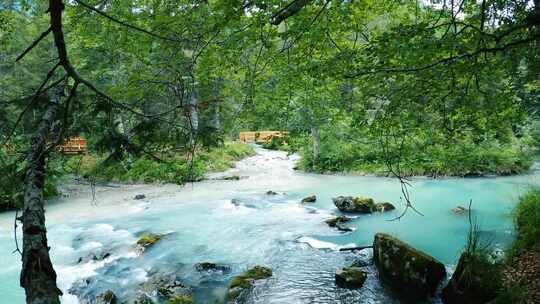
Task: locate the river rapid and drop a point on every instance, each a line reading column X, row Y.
column 260, row 229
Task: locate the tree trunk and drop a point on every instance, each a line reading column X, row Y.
column 193, row 115
column 38, row 277
column 316, row 143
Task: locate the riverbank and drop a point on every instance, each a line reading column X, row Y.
column 463, row 159
column 170, row 167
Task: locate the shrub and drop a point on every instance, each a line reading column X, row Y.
column 527, row 221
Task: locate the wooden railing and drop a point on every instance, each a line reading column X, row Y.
column 261, row 136
column 73, row 145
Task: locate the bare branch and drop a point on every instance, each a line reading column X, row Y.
column 289, row 10
column 28, row 49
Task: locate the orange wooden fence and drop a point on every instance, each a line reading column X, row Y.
column 261, row 136
column 73, row 145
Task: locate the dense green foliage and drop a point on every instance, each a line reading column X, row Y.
column 457, row 157
column 527, row 219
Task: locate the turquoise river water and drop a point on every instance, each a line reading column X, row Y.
column 275, row 231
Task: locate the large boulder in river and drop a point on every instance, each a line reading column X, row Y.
column 246, row 280
column 309, row 199
column 354, row 204
column 406, row 269
column 473, row 281
column 350, row 277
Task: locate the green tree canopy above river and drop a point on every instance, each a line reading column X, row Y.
column 399, row 87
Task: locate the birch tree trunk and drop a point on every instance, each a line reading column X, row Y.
column 193, row 115
column 316, row 143
column 38, row 277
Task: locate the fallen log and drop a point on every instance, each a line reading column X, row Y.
column 356, row 248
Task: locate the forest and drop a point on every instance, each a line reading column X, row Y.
column 392, row 118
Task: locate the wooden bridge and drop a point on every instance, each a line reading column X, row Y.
column 261, row 136
column 73, row 145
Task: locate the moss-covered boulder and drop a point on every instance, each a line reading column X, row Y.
column 309, row 199
column 148, row 240
column 350, row 277
column 165, row 286
column 383, row 207
column 108, row 297
column 475, row 280
column 245, row 281
column 354, row 204
column 405, row 269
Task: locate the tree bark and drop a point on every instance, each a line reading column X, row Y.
column 38, row 277
column 316, row 143
column 193, row 115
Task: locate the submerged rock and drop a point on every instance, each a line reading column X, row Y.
column 354, row 204
column 108, row 297
column 208, row 266
column 333, row 222
column 148, row 240
column 473, row 281
column 232, row 177
column 139, row 197
column 406, row 269
column 460, row 210
column 309, row 199
column 350, row 277
column 245, row 281
column 166, row 287
column 235, row 202
column 99, row 256
column 270, row 192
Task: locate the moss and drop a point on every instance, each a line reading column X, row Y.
column 406, row 268
column 181, row 300
column 364, row 203
column 350, row 277
column 245, row 280
column 149, row 239
column 224, row 157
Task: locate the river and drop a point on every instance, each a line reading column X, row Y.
column 275, row 231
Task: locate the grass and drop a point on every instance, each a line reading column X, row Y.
column 175, row 168
column 482, row 275
column 223, row 158
column 527, row 222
